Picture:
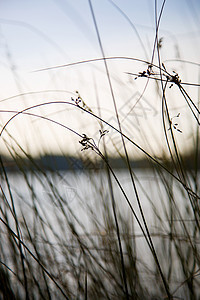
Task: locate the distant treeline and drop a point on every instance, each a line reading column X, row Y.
column 58, row 162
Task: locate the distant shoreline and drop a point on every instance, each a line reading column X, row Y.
column 65, row 163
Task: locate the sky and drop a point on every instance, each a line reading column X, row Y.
column 38, row 35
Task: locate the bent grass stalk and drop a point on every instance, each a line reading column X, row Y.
column 81, row 264
column 92, row 146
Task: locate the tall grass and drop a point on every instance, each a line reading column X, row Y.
column 98, row 232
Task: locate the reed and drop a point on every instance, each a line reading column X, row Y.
column 94, row 231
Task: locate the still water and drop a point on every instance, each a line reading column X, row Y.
column 80, row 191
column 84, row 200
column 84, row 197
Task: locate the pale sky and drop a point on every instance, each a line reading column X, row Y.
column 41, row 34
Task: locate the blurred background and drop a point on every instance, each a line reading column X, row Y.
column 39, row 38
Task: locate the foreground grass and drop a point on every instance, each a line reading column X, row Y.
column 59, row 236
column 99, row 233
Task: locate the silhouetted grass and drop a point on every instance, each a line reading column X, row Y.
column 101, row 233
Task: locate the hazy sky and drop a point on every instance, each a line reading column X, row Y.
column 40, row 34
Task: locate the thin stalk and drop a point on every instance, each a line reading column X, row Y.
column 17, row 228
column 34, row 257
